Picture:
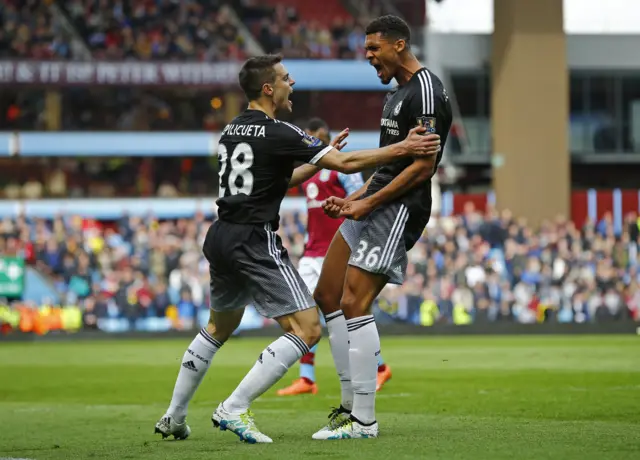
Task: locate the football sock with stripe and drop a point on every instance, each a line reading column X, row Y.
column 339, row 341
column 308, row 365
column 363, row 358
column 271, row 365
column 194, row 366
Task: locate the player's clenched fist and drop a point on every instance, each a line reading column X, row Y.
column 356, row 210
column 332, row 206
column 418, row 144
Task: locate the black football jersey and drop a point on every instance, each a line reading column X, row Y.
column 422, row 100
column 256, row 156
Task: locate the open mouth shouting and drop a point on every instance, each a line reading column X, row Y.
column 379, row 71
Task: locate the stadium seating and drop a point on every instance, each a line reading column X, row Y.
column 193, row 30
column 302, row 29
column 324, row 12
column 30, row 31
column 149, row 275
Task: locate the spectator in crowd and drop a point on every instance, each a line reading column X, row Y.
column 157, row 30
column 470, row 268
column 282, row 30
column 30, row 31
column 106, row 177
column 192, row 30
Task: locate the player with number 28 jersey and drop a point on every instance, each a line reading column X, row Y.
column 252, row 186
column 247, row 262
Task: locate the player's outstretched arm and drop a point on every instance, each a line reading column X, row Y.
column 415, row 144
column 305, row 172
column 301, row 174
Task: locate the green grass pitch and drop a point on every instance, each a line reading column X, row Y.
column 473, row 398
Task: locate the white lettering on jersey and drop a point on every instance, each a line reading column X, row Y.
column 244, row 130
column 391, row 125
column 388, row 123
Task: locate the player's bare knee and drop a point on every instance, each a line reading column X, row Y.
column 211, row 328
column 211, row 325
column 326, row 300
column 304, row 324
column 353, row 303
column 311, row 333
column 222, row 325
column 218, row 333
column 222, row 335
column 350, row 305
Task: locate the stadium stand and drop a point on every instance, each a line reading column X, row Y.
column 29, row 30
column 194, row 30
column 301, row 30
column 106, row 177
column 169, row 30
column 467, row 268
column 186, row 30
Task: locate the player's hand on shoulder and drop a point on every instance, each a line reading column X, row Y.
column 420, row 145
column 338, row 141
column 356, row 210
column 332, row 206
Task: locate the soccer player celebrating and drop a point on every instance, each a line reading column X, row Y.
column 320, row 230
column 247, row 262
column 385, row 218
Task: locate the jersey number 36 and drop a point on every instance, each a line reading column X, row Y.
column 239, row 169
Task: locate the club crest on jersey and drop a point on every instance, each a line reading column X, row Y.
column 312, row 191
column 396, row 110
column 311, row 141
column 427, row 122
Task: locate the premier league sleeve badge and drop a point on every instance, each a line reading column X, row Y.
column 427, row 122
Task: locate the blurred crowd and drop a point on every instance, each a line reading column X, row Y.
column 164, row 177
column 29, row 30
column 156, row 30
column 195, row 30
column 117, row 29
column 281, row 30
column 466, row 269
column 132, row 268
column 174, row 30
column 481, row 267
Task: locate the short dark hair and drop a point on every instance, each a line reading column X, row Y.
column 257, row 71
column 317, row 123
column 390, row 27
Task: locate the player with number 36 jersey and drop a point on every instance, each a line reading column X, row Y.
column 247, row 263
column 320, row 231
column 385, row 219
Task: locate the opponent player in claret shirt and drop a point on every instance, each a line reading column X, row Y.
column 320, row 231
column 385, row 219
column 247, row 263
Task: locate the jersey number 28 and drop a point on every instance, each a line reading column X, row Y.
column 239, row 168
